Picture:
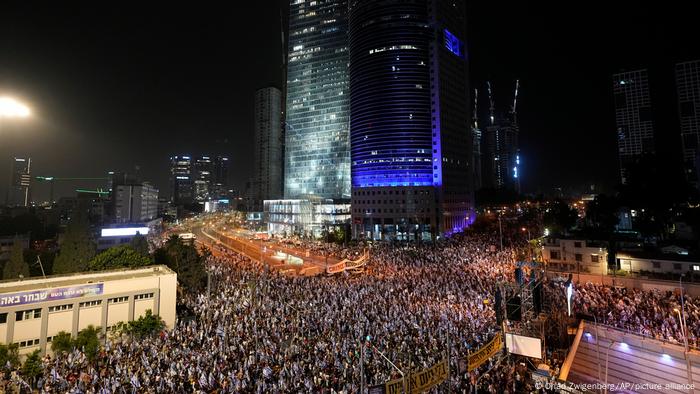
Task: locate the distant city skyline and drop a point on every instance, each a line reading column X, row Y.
column 133, row 93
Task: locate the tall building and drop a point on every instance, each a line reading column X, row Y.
column 476, row 144
column 135, row 203
column 688, row 92
column 19, row 192
column 203, row 178
column 267, row 182
column 219, row 186
column 500, row 154
column 633, row 118
column 317, row 154
column 182, row 180
column 410, row 127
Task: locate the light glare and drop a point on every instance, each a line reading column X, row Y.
column 11, row 108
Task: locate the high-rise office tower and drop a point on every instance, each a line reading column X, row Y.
column 688, row 91
column 182, row 180
column 19, row 192
column 267, row 182
column 219, row 186
column 633, row 117
column 476, row 143
column 203, row 178
column 135, row 203
column 410, row 124
column 317, row 154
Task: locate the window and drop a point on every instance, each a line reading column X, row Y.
column 595, row 258
column 696, row 267
column 28, row 343
column 49, row 339
column 578, row 256
column 60, row 308
column 3, row 318
column 118, row 300
column 677, row 266
column 88, row 304
column 577, row 244
column 554, row 254
column 27, row 315
column 656, row 264
column 143, row 296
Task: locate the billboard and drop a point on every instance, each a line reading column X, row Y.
column 124, row 231
column 46, row 295
column 524, row 346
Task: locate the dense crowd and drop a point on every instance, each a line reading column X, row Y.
column 261, row 332
column 650, row 313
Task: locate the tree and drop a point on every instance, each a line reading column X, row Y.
column 560, row 217
column 9, row 354
column 16, row 266
column 144, row 325
column 32, row 366
column 122, row 256
column 76, row 251
column 88, row 342
column 602, row 215
column 185, row 261
column 140, row 244
column 62, row 342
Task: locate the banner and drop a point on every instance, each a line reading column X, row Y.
column 394, row 386
column 61, row 293
column 486, row 352
column 427, row 378
column 340, row 267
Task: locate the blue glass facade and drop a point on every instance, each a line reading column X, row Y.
column 390, row 95
column 410, row 134
column 317, row 154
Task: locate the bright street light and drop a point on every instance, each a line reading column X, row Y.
column 11, row 108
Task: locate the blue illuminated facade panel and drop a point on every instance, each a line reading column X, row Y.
column 317, row 154
column 405, row 68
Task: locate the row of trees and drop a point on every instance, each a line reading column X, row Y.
column 77, row 254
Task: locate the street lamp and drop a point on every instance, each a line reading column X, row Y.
column 11, row 108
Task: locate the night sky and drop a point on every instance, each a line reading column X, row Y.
column 117, row 88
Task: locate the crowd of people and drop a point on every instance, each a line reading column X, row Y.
column 262, row 332
column 652, row 313
column 259, row 331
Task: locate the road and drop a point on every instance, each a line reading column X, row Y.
column 252, row 249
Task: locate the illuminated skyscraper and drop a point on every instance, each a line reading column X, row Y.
column 410, row 121
column 19, row 186
column 182, row 180
column 688, row 89
column 317, row 154
column 633, row 117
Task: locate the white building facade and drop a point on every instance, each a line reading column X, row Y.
column 33, row 311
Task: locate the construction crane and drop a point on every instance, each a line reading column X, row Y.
column 53, row 179
column 492, row 105
column 513, row 109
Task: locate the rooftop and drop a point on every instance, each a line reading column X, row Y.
column 35, row 283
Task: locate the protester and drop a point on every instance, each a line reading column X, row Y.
column 259, row 331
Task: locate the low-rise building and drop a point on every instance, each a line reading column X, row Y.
column 575, row 255
column 33, row 311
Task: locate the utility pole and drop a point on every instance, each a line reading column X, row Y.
column 500, row 230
